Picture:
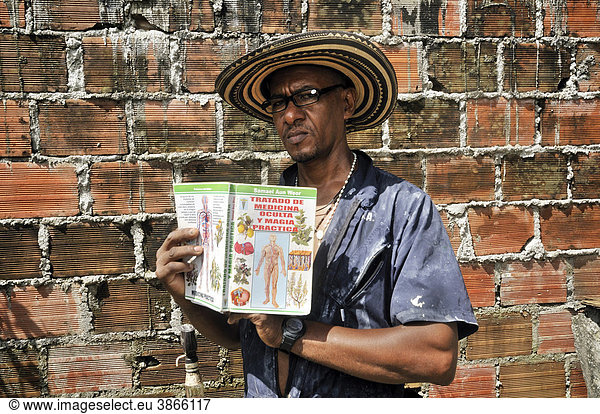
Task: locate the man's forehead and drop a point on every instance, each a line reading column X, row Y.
column 300, row 76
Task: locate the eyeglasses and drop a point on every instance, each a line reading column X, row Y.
column 301, row 98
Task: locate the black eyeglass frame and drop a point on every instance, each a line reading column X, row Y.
column 286, row 99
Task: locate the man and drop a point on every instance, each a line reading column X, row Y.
column 271, row 254
column 389, row 302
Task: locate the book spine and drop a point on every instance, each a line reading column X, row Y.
column 229, row 238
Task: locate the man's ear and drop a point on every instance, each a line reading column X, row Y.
column 349, row 102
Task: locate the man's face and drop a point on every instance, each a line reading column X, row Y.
column 315, row 131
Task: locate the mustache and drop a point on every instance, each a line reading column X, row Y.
column 296, row 129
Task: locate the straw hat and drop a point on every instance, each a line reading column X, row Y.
column 240, row 84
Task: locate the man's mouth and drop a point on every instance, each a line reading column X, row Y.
column 296, row 136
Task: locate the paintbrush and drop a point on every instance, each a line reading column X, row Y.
column 193, row 380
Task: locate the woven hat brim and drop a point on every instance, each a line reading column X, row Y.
column 356, row 57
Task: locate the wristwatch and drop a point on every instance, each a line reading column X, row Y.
column 292, row 329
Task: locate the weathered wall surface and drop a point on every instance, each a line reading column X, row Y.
column 106, row 102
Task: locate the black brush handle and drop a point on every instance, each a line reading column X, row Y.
column 189, row 342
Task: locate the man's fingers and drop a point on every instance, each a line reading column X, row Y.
column 177, row 237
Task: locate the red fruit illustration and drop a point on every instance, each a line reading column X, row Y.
column 237, row 247
column 245, row 248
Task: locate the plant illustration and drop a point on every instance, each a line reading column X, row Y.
column 303, row 235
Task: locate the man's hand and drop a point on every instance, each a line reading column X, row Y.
column 268, row 327
column 170, row 267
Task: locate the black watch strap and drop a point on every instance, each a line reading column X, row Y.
column 292, row 330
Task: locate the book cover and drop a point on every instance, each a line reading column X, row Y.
column 258, row 246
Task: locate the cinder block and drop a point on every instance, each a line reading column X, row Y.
column 32, row 64
column 479, row 280
column 543, row 176
column 82, row 249
column 426, row 18
column 160, row 357
column 460, row 179
column 33, row 190
column 506, row 18
column 529, row 67
column 537, row 380
column 15, row 140
column 571, row 18
column 406, row 60
column 12, row 14
column 246, row 171
column 130, row 188
column 20, row 253
column 135, row 63
column 471, row 381
column 586, row 175
column 359, row 16
column 562, row 228
column 425, row 123
column 570, row 122
column 497, row 230
column 76, row 14
column 76, row 127
column 175, row 125
column 501, row 336
column 463, row 67
column 555, row 333
column 533, row 282
column 20, row 373
column 130, row 305
column 89, row 368
column 500, row 121
column 42, row 312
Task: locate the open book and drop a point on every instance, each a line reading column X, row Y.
column 258, row 246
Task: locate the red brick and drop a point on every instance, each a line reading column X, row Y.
column 587, row 60
column 131, row 188
column 276, row 167
column 12, row 15
column 541, row 380
column 460, row 179
column 506, row 18
column 497, row 230
column 45, row 311
column 227, row 391
column 246, row 171
column 577, row 382
column 426, row 18
column 75, row 14
column 20, row 253
column 470, row 381
column 20, row 373
column 533, row 282
column 479, row 280
column 162, row 369
column 281, row 16
column 128, row 305
column 571, row 122
column 202, row 16
column 32, row 190
column 406, row 60
column 83, row 249
column 543, row 176
column 15, row 140
column 170, row 16
column 500, row 121
column 529, row 67
column 205, row 59
column 453, row 230
column 96, row 127
column 563, row 228
column 586, row 278
column 555, row 333
column 89, row 368
column 32, row 64
column 155, row 234
column 586, row 175
column 426, row 123
column 132, row 64
column 242, row 131
column 171, row 126
column 406, row 167
column 501, row 336
column 365, row 139
column 571, row 18
column 355, row 16
column 463, row 67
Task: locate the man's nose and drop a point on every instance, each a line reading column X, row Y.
column 292, row 113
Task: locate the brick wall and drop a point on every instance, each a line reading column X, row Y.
column 104, row 104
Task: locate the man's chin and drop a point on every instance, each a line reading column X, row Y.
column 304, row 157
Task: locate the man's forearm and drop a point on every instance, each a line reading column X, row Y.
column 411, row 353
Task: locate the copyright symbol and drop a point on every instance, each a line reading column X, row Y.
column 13, row 404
